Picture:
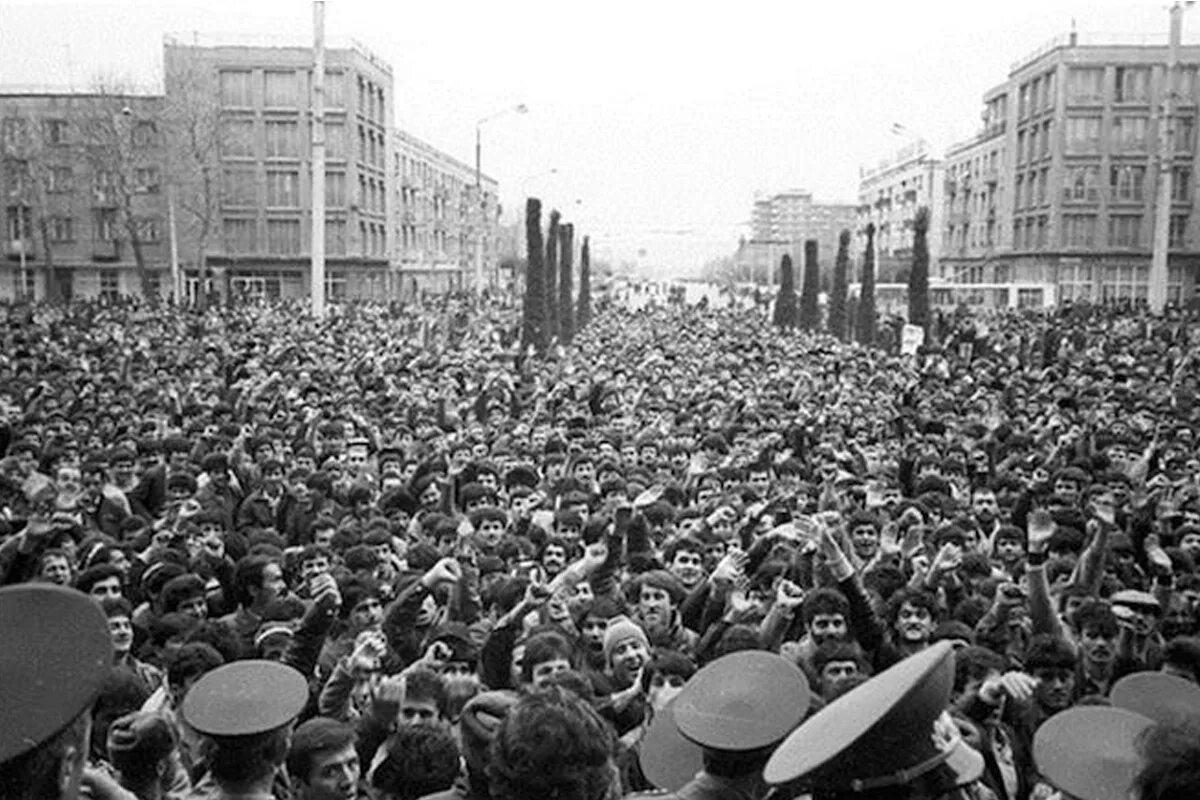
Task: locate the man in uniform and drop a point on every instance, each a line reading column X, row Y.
column 245, row 710
column 55, row 656
column 712, row 741
column 889, row 739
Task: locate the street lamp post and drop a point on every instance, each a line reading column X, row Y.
column 520, row 108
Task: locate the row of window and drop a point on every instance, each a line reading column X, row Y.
column 63, row 228
column 1126, row 182
column 61, row 179
column 291, row 89
column 285, row 237
column 16, row 133
column 1126, row 133
column 1035, row 95
column 289, row 138
column 1130, row 84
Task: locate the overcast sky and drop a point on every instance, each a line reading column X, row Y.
column 662, row 118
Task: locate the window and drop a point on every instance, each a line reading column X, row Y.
column 1124, row 230
column 283, row 188
column 1083, row 134
column 240, row 188
column 1018, row 233
column 1177, row 233
column 1132, row 85
column 283, row 139
column 283, row 236
column 1049, row 101
column 1080, row 185
column 16, row 174
column 1127, row 182
column 104, row 183
column 110, row 284
column 280, row 89
column 55, row 131
column 145, row 134
column 240, row 236
column 335, row 140
column 1043, row 226
column 1185, row 84
column 1184, row 133
column 1019, row 193
column 106, row 225
column 1043, row 179
column 1129, row 133
column 1085, row 85
column 19, row 223
column 1045, row 140
column 62, row 229
column 150, row 229
column 1181, row 184
column 1033, row 146
column 1079, row 230
column 237, row 137
column 145, row 180
column 236, row 91
column 12, row 132
column 59, row 179
column 335, row 189
column 335, row 89
column 335, row 237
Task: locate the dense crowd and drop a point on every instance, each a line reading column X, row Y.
column 393, row 554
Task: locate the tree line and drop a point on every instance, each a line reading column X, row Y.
column 553, row 312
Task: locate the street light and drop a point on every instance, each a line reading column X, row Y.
column 519, row 108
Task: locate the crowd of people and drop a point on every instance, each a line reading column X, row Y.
column 393, row 554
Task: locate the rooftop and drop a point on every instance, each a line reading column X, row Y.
column 1098, row 39
column 211, row 39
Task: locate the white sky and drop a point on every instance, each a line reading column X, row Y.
column 663, row 118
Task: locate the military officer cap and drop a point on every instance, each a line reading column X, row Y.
column 1090, row 752
column 740, row 703
column 890, row 731
column 1157, row 695
column 55, row 654
column 244, row 698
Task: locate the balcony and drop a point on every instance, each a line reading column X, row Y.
column 13, row 248
column 106, row 251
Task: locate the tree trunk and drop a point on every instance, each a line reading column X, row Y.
column 918, row 278
column 566, row 283
column 810, row 308
column 837, row 297
column 533, row 323
column 866, row 292
column 550, row 278
column 585, row 285
column 53, row 285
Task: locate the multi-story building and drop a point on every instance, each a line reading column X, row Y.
column 1075, row 132
column 82, row 182
column 782, row 223
column 889, row 195
column 262, row 232
column 443, row 226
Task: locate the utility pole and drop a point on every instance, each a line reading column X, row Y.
column 318, row 162
column 176, row 293
column 1157, row 291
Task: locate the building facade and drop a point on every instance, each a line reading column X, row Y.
column 781, row 223
column 1070, row 198
column 889, row 195
column 260, row 242
column 443, row 227
column 81, row 175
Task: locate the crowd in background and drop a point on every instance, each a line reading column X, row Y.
column 458, row 544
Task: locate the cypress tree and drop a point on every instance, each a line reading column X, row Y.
column 837, row 297
column 566, row 283
column 810, row 309
column 866, row 291
column 918, row 277
column 585, row 286
column 533, row 322
column 786, row 312
column 551, row 277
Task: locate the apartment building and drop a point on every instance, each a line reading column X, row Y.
column 81, row 175
column 889, row 195
column 782, row 222
column 1060, row 186
column 262, row 95
column 443, row 226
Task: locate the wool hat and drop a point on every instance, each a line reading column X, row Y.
column 481, row 718
column 619, row 629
